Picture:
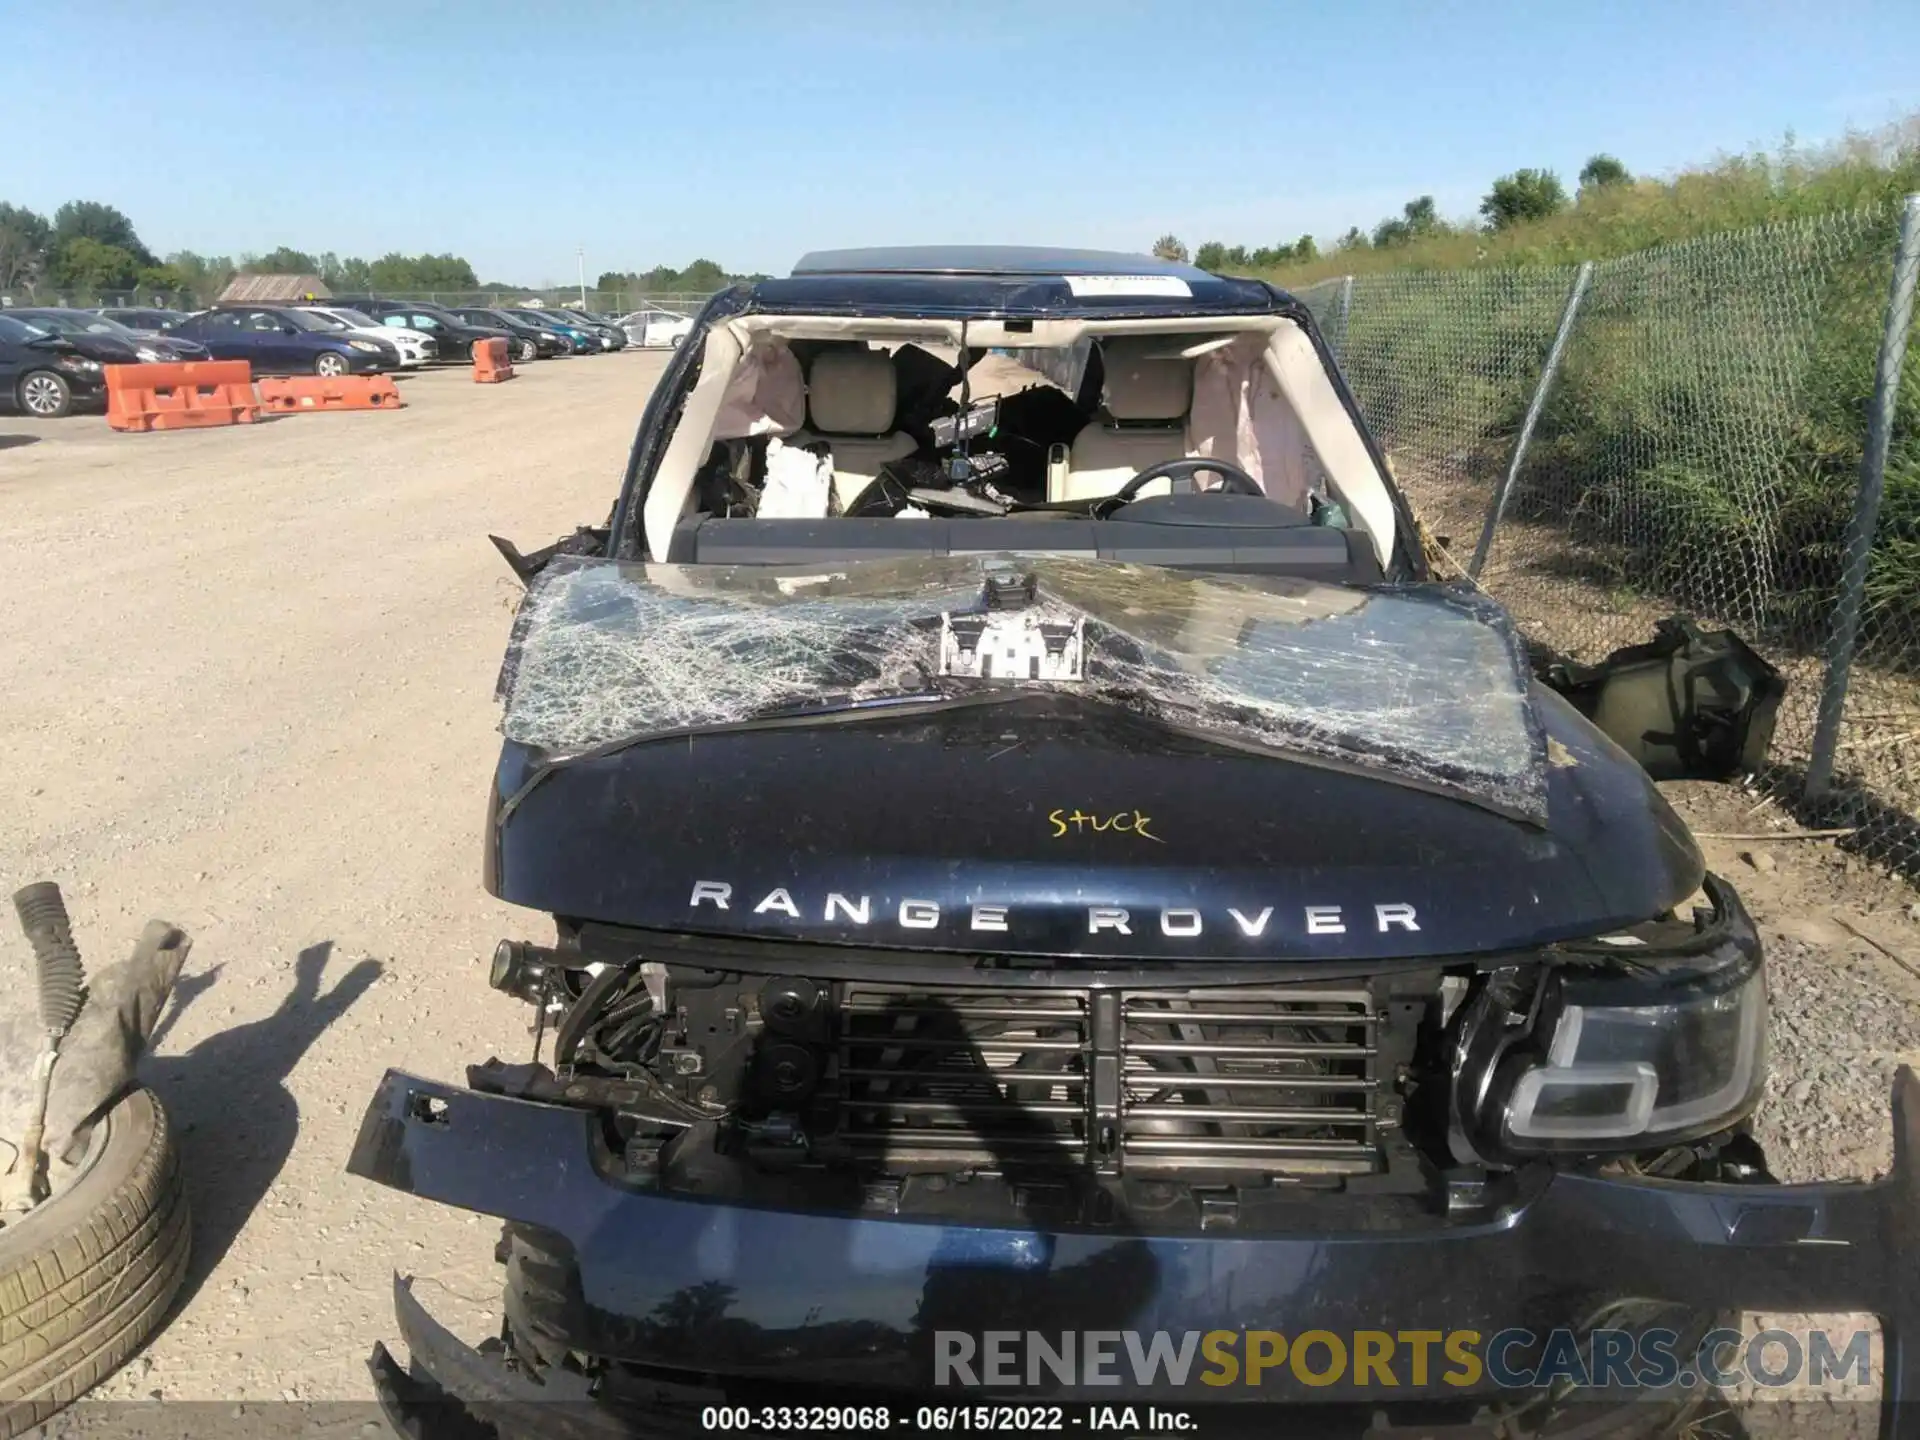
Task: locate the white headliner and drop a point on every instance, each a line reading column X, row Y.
column 1290, row 358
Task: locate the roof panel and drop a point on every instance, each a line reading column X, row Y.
column 987, row 260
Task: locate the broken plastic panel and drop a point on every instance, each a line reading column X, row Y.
column 1420, row 683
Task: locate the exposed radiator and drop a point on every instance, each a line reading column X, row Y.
column 1202, row 1082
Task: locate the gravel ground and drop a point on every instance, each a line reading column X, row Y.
column 247, row 687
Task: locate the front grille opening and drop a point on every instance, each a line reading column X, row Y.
column 1213, row 1082
column 931, row 1080
column 1267, row 1079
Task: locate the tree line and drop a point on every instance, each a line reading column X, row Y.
column 89, row 248
column 701, row 277
column 1514, row 199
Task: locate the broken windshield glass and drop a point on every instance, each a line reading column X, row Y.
column 1420, row 683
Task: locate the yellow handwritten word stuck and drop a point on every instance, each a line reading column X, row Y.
column 1124, row 822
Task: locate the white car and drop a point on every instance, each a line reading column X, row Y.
column 416, row 347
column 656, row 327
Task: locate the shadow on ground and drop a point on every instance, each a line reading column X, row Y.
column 228, row 1098
column 11, row 442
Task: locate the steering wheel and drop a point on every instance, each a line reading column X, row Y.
column 1238, row 481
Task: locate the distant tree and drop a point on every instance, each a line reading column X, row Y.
column 203, row 276
column 614, row 280
column 1304, row 249
column 445, row 272
column 1211, row 256
column 1522, row 196
column 281, row 261
column 1168, row 247
column 160, row 280
column 1354, row 239
column 702, row 275
column 91, row 220
column 346, row 276
column 90, row 266
column 397, row 272
column 1418, row 219
column 24, row 240
column 1601, row 171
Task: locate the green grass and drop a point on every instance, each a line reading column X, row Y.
column 1704, row 437
column 1736, row 192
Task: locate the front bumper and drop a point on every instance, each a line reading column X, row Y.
column 845, row 1305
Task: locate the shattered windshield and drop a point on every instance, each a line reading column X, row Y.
column 1423, row 684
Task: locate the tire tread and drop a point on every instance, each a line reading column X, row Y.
column 76, row 1308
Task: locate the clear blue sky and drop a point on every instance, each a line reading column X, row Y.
column 750, row 132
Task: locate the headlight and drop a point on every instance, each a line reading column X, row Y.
column 149, row 354
column 77, row 362
column 1658, row 1043
column 367, row 345
column 1645, row 1072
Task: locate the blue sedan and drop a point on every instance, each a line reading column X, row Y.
column 285, row 341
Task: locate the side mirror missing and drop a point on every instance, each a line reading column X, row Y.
column 586, row 540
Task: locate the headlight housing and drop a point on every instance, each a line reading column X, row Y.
column 367, row 345
column 77, row 362
column 1622, row 1048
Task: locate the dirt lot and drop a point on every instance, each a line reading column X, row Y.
column 247, row 687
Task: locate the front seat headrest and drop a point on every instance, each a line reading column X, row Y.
column 852, row 392
column 1141, row 387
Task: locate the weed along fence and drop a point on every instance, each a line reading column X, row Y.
column 1721, row 426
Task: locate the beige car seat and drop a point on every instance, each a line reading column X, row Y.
column 1143, row 422
column 851, row 396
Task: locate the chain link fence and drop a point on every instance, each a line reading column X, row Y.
column 1698, row 449
column 601, row 302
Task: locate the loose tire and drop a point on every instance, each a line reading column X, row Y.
column 86, row 1277
column 44, row 395
column 330, row 365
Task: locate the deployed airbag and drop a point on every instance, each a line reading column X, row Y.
column 1240, row 415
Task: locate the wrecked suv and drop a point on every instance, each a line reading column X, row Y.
column 1031, row 846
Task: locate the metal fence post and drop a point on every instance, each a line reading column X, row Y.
column 1547, row 372
column 1845, row 638
column 1346, row 310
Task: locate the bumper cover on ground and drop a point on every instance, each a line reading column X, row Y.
column 842, row 1304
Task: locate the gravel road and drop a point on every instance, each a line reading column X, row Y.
column 247, row 687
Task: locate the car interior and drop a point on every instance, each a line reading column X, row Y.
column 1214, row 443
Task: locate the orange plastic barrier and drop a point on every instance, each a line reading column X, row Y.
column 296, row 394
column 187, row 395
column 490, row 363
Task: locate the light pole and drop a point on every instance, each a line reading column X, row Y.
column 581, row 254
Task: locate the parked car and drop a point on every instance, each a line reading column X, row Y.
column 150, row 349
column 1299, row 952
column 416, row 347
column 454, row 335
column 143, row 320
column 285, row 340
column 585, row 338
column 601, row 324
column 656, row 328
column 530, row 342
column 46, row 374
